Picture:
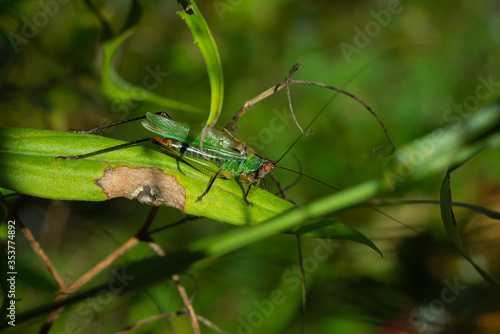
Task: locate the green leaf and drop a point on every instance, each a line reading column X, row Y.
column 334, row 230
column 450, row 225
column 28, row 166
column 115, row 87
column 208, row 48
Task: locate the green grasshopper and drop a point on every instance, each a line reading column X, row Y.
column 223, row 154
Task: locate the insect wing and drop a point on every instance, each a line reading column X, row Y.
column 166, row 127
column 217, row 138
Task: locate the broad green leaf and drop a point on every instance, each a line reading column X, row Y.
column 115, row 87
column 208, row 48
column 28, row 166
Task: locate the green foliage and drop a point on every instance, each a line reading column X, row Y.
column 416, row 72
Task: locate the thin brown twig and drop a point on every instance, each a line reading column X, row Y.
column 187, row 303
column 148, row 320
column 278, row 185
column 145, row 321
column 35, row 245
column 288, row 80
column 95, row 270
column 98, row 268
column 209, row 324
column 105, row 263
column 182, row 291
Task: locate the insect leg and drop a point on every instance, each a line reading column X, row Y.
column 278, row 185
column 289, row 81
column 113, row 148
column 262, row 96
column 91, row 131
column 209, row 185
column 265, row 184
column 246, row 195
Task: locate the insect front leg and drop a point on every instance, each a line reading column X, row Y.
column 252, row 185
column 246, row 195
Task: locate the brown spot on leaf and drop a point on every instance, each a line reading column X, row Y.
column 148, row 185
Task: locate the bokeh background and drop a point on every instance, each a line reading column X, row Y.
column 416, row 63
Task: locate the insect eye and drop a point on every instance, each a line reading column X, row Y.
column 268, row 167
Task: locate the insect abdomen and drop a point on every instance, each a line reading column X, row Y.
column 230, row 162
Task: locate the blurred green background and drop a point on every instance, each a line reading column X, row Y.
column 416, row 63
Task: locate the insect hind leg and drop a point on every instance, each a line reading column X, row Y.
column 209, row 185
column 113, row 148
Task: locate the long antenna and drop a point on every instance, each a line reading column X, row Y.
column 337, row 189
column 309, row 177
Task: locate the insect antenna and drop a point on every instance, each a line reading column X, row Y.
column 92, row 131
column 291, row 146
column 299, row 177
column 337, row 189
column 309, row 177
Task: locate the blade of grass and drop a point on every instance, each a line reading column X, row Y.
column 115, row 87
column 451, row 227
column 204, row 39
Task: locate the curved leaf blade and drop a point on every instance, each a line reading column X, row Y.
column 330, row 229
column 204, row 39
column 115, row 87
column 450, row 226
